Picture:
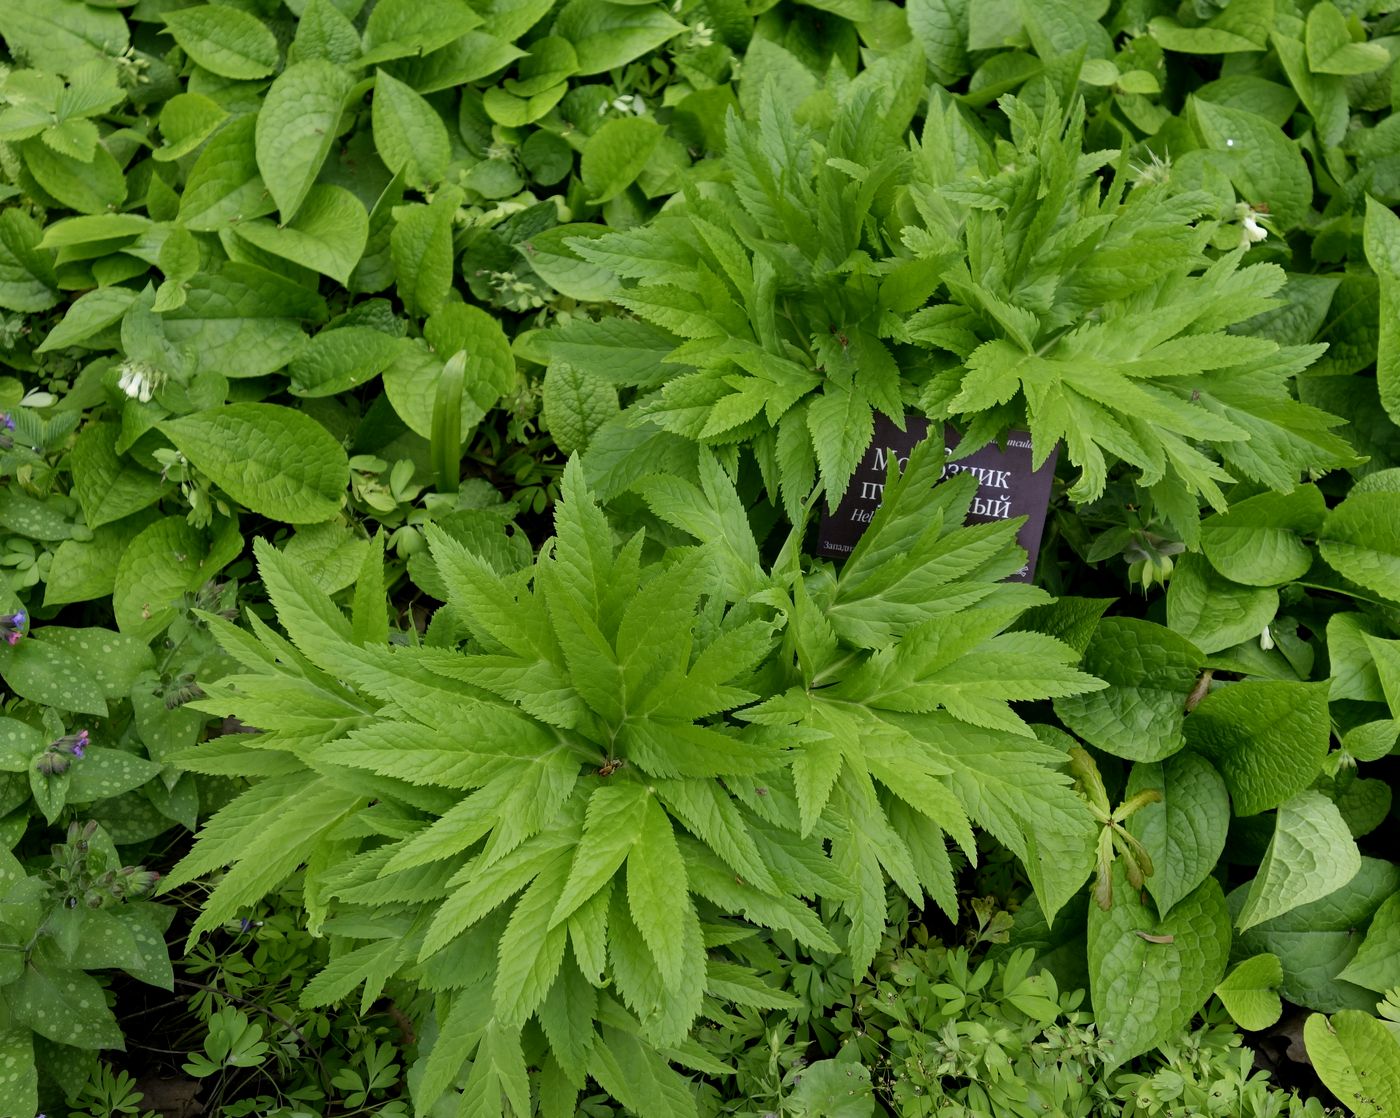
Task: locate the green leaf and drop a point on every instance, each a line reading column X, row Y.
column 606, row 35
column 1149, row 976
column 1358, row 1059
column 657, row 892
column 1249, row 993
column 1185, row 832
column 400, row 28
column 941, row 28
column 576, row 404
column 297, row 124
column 1264, row 164
column 1331, row 50
column 328, row 234
column 63, row 34
column 107, row 485
column 27, row 281
column 342, row 358
column 85, row 570
column 224, row 40
column 832, row 1089
column 45, row 673
column 1311, row 854
column 19, row 1081
column 1267, row 739
column 1376, row 964
column 271, row 459
column 1361, row 540
column 1243, row 25
column 163, row 564
column 89, row 186
column 613, row 825
column 490, row 372
column 324, row 31
column 1318, row 940
column 408, row 131
column 65, row 1006
column 555, row 262
column 421, row 248
column 87, row 315
column 1257, row 542
column 1382, row 239
column 615, row 155
column 1150, row 671
column 242, row 321
column 225, row 185
column 104, row 773
column 1212, row 612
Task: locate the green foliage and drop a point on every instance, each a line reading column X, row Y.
column 305, row 305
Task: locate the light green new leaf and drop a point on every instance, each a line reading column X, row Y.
column 225, row 40
column 297, row 125
column 271, row 459
column 658, row 894
column 1150, row 671
column 408, row 131
column 613, row 825
column 1311, row 854
column 1376, row 964
column 1358, row 1059
column 1267, row 739
column 1249, row 993
column 1184, row 833
column 328, row 234
column 1149, row 976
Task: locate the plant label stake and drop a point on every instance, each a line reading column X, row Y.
column 1007, row 487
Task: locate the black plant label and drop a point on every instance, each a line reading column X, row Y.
column 1007, row 487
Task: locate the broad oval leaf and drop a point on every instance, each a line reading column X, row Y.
column 271, row 459
column 1150, row 671
column 1185, row 831
column 225, row 40
column 1149, row 976
column 1267, row 739
column 296, row 126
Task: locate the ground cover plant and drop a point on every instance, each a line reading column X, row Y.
column 424, row 691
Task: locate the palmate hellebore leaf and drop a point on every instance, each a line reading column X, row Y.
column 576, row 755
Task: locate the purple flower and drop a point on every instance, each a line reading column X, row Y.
column 6, row 426
column 12, row 626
